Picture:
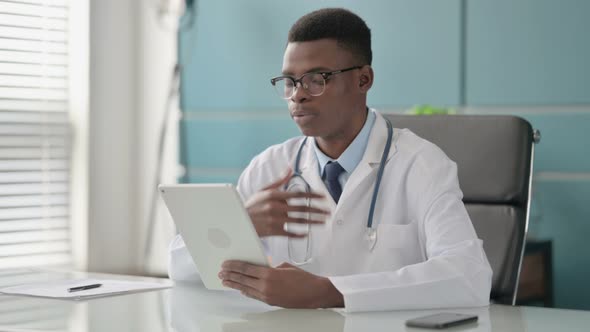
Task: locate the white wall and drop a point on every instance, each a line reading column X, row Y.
column 156, row 63
column 79, row 112
column 130, row 61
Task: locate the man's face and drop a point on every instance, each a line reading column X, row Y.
column 335, row 113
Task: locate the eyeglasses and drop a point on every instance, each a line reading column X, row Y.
column 314, row 83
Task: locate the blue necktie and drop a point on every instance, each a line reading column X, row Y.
column 332, row 172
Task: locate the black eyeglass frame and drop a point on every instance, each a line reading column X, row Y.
column 325, row 75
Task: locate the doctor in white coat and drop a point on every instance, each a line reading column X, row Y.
column 419, row 250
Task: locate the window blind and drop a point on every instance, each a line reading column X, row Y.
column 35, row 134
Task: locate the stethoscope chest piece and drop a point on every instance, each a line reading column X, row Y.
column 371, row 238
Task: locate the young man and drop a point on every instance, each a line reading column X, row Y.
column 420, row 250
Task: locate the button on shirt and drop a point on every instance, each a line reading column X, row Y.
column 352, row 156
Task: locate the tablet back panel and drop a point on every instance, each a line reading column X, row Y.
column 215, row 227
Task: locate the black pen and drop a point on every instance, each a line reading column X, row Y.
column 85, row 287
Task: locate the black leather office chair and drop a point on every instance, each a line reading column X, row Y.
column 494, row 156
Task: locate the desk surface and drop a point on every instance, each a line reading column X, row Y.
column 188, row 308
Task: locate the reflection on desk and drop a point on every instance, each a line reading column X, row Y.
column 192, row 308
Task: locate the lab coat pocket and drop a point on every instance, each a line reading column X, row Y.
column 393, row 236
column 397, row 246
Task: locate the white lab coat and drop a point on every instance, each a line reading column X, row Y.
column 427, row 254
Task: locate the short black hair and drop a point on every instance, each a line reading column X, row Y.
column 347, row 28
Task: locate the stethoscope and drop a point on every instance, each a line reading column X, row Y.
column 298, row 183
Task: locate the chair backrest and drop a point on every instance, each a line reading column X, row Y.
column 494, row 158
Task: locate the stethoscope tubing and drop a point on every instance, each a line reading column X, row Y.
column 370, row 232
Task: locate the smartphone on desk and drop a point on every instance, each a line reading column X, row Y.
column 441, row 320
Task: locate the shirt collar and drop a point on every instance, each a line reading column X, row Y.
column 353, row 154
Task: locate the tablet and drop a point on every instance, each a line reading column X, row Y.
column 215, row 227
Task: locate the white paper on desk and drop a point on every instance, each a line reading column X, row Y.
column 59, row 289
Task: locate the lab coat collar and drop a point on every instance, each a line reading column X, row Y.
column 373, row 151
column 377, row 142
column 372, row 157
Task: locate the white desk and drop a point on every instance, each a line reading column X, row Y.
column 191, row 308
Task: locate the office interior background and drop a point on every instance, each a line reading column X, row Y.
column 85, row 87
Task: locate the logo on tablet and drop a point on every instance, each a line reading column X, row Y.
column 218, row 238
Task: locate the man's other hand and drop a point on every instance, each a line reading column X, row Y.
column 286, row 286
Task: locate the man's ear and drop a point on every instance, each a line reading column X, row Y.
column 366, row 78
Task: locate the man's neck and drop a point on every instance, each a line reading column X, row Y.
column 334, row 146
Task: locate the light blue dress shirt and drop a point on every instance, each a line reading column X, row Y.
column 353, row 154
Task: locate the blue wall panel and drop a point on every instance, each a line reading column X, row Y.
column 223, row 143
column 235, row 47
column 210, row 177
column 564, row 145
column 528, row 52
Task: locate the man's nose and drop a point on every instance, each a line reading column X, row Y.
column 299, row 93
